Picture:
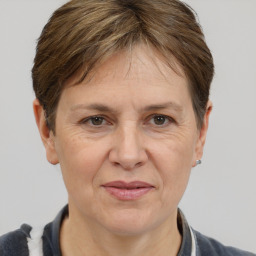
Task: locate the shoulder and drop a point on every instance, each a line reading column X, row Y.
column 15, row 242
column 210, row 247
column 26, row 238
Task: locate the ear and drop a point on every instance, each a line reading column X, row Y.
column 46, row 134
column 202, row 134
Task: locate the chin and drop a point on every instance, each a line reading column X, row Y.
column 130, row 223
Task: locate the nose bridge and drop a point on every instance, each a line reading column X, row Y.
column 129, row 142
column 128, row 150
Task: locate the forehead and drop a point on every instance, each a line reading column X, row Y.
column 141, row 62
column 135, row 78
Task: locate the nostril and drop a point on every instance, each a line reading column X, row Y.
column 127, row 156
column 116, row 164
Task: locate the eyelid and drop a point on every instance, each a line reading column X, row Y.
column 106, row 119
column 87, row 119
column 170, row 119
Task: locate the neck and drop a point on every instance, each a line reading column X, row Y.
column 89, row 239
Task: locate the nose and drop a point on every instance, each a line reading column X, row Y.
column 127, row 150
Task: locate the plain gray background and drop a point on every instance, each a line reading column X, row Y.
column 221, row 198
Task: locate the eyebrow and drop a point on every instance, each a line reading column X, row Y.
column 168, row 105
column 96, row 106
column 104, row 108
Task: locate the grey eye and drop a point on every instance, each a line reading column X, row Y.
column 97, row 120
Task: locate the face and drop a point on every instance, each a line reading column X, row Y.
column 126, row 141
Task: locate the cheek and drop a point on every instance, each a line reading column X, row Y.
column 175, row 153
column 80, row 160
column 173, row 158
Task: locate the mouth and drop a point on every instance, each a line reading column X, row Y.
column 127, row 191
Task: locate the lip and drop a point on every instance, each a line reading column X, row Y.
column 128, row 190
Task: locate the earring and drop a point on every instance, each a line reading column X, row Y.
column 198, row 162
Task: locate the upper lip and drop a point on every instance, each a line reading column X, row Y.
column 128, row 185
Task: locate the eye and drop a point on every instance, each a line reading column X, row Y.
column 160, row 120
column 94, row 121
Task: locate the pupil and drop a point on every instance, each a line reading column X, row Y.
column 97, row 120
column 159, row 120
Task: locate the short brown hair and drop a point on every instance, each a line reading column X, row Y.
column 82, row 33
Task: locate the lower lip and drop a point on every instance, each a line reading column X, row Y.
column 128, row 194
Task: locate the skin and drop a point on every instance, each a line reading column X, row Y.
column 146, row 131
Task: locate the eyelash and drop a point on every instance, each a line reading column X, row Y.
column 90, row 118
column 167, row 118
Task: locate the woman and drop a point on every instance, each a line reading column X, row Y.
column 122, row 104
